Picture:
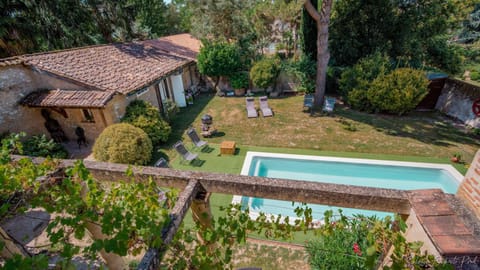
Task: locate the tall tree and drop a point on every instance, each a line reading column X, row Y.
column 361, row 28
column 408, row 31
column 471, row 27
column 29, row 26
column 322, row 19
column 220, row 19
column 309, row 34
column 278, row 21
column 179, row 17
column 152, row 15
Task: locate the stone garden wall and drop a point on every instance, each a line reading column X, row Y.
column 456, row 100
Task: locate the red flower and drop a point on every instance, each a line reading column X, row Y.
column 356, row 249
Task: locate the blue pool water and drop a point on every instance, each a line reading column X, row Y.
column 360, row 174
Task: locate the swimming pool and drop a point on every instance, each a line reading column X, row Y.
column 348, row 171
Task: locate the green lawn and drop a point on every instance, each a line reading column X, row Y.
column 420, row 136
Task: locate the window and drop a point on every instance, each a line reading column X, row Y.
column 142, row 91
column 88, row 116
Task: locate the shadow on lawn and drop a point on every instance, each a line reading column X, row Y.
column 186, row 117
column 426, row 127
column 181, row 122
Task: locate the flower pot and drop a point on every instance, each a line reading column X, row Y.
column 455, row 159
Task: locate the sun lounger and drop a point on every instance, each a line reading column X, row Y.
column 161, row 163
column 251, row 111
column 184, row 153
column 329, row 104
column 266, row 111
column 192, row 134
column 308, row 101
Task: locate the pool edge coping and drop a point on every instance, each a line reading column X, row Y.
column 447, row 167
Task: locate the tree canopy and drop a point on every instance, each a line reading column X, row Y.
column 220, row 19
column 218, row 59
column 408, row 31
column 32, row 26
column 471, row 27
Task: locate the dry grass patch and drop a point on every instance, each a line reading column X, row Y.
column 427, row 134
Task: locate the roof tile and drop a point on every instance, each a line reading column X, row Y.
column 122, row 67
column 68, row 98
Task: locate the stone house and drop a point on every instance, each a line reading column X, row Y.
column 90, row 87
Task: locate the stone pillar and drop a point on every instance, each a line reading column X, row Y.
column 469, row 190
column 10, row 248
column 201, row 211
column 202, row 215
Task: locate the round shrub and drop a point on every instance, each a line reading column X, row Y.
column 123, row 143
column 475, row 76
column 144, row 115
column 398, row 92
column 358, row 100
column 363, row 73
column 264, row 72
column 239, row 80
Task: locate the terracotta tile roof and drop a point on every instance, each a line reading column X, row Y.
column 117, row 67
column 122, row 67
column 68, row 98
column 183, row 45
column 10, row 61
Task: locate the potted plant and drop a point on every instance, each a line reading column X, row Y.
column 456, row 158
column 239, row 82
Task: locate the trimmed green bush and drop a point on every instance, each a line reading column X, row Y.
column 398, row 92
column 239, row 80
column 358, row 100
column 265, row 72
column 41, row 146
column 363, row 73
column 475, row 76
column 144, row 115
column 123, row 143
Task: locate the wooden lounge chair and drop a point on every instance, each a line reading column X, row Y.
column 251, row 111
column 192, row 134
column 266, row 110
column 329, row 104
column 184, row 153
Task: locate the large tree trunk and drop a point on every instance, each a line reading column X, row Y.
column 322, row 19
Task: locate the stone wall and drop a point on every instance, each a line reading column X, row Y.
column 149, row 96
column 76, row 118
column 456, row 100
column 16, row 82
column 469, row 190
